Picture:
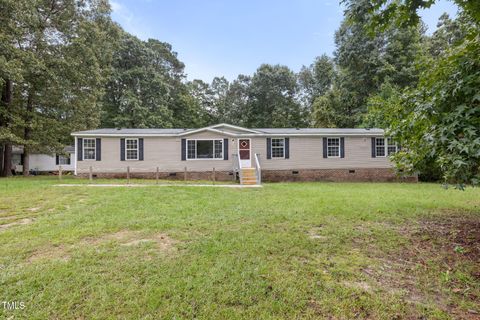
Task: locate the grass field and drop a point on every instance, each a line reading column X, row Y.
column 293, row 250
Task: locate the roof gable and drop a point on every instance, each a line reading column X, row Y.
column 223, row 128
column 236, row 129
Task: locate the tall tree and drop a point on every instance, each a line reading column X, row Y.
column 204, row 99
column 364, row 62
column 146, row 88
column 219, row 89
column 440, row 117
column 236, row 101
column 405, row 12
column 60, row 51
column 136, row 94
column 449, row 33
column 316, row 79
column 272, row 99
column 358, row 56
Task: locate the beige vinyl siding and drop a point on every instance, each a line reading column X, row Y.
column 307, row 153
column 162, row 152
column 165, row 153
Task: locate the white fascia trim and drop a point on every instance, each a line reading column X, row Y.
column 313, row 135
column 79, row 134
column 373, row 134
column 208, row 129
column 235, row 127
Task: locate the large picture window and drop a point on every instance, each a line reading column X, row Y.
column 89, row 149
column 385, row 147
column 131, row 149
column 204, row 149
column 278, row 147
column 333, row 147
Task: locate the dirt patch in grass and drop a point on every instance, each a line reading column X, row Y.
column 361, row 285
column 52, row 253
column 163, row 242
column 125, row 238
column 316, row 233
column 439, row 265
column 457, row 236
column 16, row 223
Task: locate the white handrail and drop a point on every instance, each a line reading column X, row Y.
column 259, row 169
column 237, row 166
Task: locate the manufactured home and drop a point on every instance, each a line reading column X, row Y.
column 227, row 151
column 41, row 163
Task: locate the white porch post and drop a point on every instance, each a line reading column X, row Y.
column 75, row 157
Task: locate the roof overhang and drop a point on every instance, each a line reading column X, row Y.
column 232, row 131
column 80, row 134
column 280, row 134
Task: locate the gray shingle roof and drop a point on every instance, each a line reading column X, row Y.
column 69, row 149
column 266, row 131
column 127, row 131
column 319, row 130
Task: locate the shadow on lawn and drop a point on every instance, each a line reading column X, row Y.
column 439, row 264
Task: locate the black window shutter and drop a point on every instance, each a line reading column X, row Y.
column 225, row 149
column 68, row 159
column 287, row 148
column 56, row 160
column 79, row 149
column 184, row 149
column 98, row 147
column 342, row 147
column 140, row 149
column 122, row 149
column 325, row 147
column 373, row 148
column 269, row 148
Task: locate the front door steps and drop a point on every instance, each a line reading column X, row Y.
column 248, row 176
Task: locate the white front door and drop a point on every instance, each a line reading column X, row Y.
column 244, row 153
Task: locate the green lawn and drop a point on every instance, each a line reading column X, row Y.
column 292, row 250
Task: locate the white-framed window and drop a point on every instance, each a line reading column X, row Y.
column 385, row 147
column 131, row 149
column 191, row 149
column 278, row 147
column 89, row 147
column 333, row 147
column 391, row 146
column 202, row 149
column 63, row 160
column 380, row 147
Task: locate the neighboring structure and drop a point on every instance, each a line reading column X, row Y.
column 44, row 163
column 254, row 154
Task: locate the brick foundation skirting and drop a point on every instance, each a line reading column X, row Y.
column 191, row 175
column 336, row 175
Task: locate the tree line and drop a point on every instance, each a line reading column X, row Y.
column 66, row 66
